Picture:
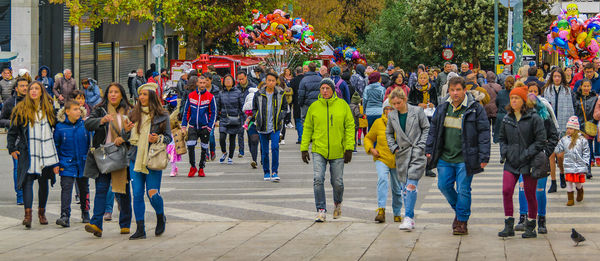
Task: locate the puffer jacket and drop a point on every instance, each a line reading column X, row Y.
column 64, row 87
column 518, row 145
column 589, row 104
column 72, row 142
column 577, row 158
column 376, row 139
column 7, row 108
column 6, row 88
column 562, row 103
column 230, row 103
column 329, row 125
column 259, row 109
column 309, row 89
column 358, row 81
column 92, row 93
column 373, row 99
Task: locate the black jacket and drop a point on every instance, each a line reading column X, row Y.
column 551, row 136
column 309, row 89
column 518, row 145
column 259, row 109
column 161, row 126
column 7, row 108
column 295, row 85
column 475, row 136
column 230, row 103
column 536, row 80
column 589, row 103
column 416, row 96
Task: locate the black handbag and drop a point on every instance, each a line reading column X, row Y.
column 540, row 163
column 110, row 157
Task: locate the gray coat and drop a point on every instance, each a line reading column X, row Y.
column 576, row 159
column 410, row 145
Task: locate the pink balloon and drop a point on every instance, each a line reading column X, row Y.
column 355, row 55
column 550, row 38
column 563, row 34
column 593, row 47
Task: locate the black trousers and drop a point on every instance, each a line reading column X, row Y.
column 223, row 143
column 42, row 190
column 66, row 184
column 193, row 136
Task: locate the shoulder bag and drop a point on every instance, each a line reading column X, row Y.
column 589, row 127
column 158, row 158
column 110, row 157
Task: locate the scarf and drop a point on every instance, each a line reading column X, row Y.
column 118, row 178
column 425, row 90
column 42, row 151
column 140, row 139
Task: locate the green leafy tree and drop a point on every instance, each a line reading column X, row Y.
column 212, row 22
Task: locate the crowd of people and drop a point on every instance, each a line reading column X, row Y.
column 410, row 123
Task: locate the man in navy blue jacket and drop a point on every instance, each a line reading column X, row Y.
column 458, row 145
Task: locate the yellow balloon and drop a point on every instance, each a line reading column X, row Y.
column 581, row 37
column 274, row 26
column 572, row 10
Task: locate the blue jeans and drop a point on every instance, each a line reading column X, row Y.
column 110, row 200
column 15, row 179
column 299, row 128
column 596, row 148
column 410, row 197
column 273, row 137
column 540, row 195
column 459, row 198
column 386, row 175
column 213, row 144
column 102, row 185
column 371, row 119
column 336, row 170
column 149, row 183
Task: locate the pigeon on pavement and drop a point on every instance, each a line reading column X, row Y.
column 576, row 237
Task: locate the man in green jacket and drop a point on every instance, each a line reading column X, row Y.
column 329, row 124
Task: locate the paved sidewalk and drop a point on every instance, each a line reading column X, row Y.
column 291, row 240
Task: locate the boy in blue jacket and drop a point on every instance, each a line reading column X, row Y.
column 72, row 143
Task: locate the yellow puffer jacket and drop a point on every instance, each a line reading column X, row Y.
column 377, row 134
column 362, row 123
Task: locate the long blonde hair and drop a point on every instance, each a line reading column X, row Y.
column 25, row 111
column 574, row 137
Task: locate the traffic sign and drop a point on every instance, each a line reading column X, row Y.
column 158, row 50
column 508, row 57
column 447, row 54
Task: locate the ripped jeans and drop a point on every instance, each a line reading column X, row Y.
column 409, row 193
column 149, row 183
column 540, row 195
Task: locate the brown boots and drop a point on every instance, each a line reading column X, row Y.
column 570, row 201
column 579, row 195
column 461, row 228
column 27, row 218
column 380, row 215
column 42, row 216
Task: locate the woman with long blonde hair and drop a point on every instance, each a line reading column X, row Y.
column 30, row 141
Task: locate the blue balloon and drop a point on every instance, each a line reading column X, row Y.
column 561, row 43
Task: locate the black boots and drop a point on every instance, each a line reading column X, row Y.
column 161, row 220
column 563, row 182
column 430, row 173
column 529, row 229
column 521, row 225
column 508, row 228
column 140, row 232
column 85, row 217
column 542, row 225
column 552, row 188
column 63, row 221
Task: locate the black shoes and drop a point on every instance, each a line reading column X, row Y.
column 529, row 229
column 552, row 188
column 508, row 228
column 430, row 173
column 63, row 221
column 85, row 217
column 161, row 220
column 521, row 225
column 542, row 225
column 563, row 182
column 140, row 232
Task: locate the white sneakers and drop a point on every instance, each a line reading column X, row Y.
column 282, row 142
column 407, row 224
column 320, row 216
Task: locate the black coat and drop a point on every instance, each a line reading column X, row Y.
column 259, row 109
column 18, row 140
column 7, row 108
column 551, row 136
column 589, row 104
column 230, row 103
column 295, row 85
column 475, row 136
column 519, row 146
column 416, row 96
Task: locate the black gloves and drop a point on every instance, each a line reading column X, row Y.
column 348, row 156
column 305, row 157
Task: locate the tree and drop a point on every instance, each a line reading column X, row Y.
column 339, row 21
column 210, row 21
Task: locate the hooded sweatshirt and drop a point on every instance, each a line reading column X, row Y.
column 48, row 81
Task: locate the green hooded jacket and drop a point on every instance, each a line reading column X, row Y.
column 329, row 125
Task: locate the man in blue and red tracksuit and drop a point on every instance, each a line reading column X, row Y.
column 198, row 119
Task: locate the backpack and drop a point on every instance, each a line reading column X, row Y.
column 337, row 89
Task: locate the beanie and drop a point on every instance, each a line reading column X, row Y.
column 573, row 123
column 386, row 103
column 336, row 71
column 374, row 77
column 328, row 82
column 521, row 92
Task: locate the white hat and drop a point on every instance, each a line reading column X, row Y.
column 573, row 123
column 23, row 72
column 386, row 103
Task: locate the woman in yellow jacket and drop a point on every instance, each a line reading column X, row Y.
column 385, row 164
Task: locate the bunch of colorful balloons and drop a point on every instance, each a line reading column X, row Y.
column 572, row 37
column 348, row 55
column 276, row 27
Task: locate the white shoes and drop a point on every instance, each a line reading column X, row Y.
column 407, row 224
column 320, row 216
column 282, row 142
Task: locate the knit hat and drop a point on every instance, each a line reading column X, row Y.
column 328, row 82
column 521, row 92
column 154, row 74
column 573, row 123
column 374, row 77
column 386, row 103
column 148, row 86
column 335, row 71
